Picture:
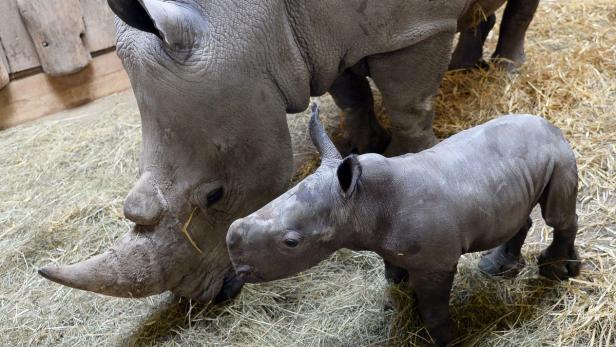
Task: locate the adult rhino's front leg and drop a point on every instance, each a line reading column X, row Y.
column 409, row 80
column 361, row 131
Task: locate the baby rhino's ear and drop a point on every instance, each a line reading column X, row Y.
column 348, row 173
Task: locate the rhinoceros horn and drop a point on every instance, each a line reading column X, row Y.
column 177, row 24
column 132, row 268
column 324, row 144
column 129, row 270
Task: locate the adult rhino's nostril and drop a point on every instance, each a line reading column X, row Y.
column 142, row 210
column 142, row 205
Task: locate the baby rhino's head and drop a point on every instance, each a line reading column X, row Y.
column 301, row 227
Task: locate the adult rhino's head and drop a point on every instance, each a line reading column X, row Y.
column 213, row 80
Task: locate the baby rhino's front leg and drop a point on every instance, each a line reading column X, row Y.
column 432, row 289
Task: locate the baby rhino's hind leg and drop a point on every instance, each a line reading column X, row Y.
column 506, row 260
column 558, row 203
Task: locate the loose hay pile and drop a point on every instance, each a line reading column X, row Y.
column 64, row 179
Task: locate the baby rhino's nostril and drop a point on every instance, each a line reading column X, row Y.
column 233, row 240
column 234, row 235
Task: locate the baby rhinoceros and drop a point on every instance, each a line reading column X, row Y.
column 421, row 212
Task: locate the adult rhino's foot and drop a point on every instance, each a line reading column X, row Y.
column 509, row 59
column 480, row 64
column 559, row 267
column 465, row 63
column 499, row 262
column 231, row 287
column 505, row 64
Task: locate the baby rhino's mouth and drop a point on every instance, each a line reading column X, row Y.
column 248, row 274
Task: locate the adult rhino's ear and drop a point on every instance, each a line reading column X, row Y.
column 177, row 24
column 132, row 13
column 349, row 172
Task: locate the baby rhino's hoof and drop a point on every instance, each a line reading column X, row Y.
column 559, row 268
column 497, row 262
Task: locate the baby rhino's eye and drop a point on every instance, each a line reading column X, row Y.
column 291, row 239
column 291, row 242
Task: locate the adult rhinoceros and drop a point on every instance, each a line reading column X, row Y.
column 214, row 80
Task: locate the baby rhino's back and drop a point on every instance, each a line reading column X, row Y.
column 512, row 135
column 498, row 147
column 485, row 181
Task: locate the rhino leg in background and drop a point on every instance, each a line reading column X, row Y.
column 469, row 51
column 506, row 260
column 408, row 82
column 516, row 20
column 361, row 131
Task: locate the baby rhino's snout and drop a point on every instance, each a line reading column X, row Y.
column 240, row 240
column 234, row 235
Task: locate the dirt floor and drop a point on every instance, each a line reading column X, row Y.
column 63, row 180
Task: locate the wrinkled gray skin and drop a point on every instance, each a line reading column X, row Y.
column 421, row 212
column 509, row 53
column 214, row 80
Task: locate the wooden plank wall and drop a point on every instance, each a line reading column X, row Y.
column 4, row 68
column 31, row 94
column 18, row 46
column 58, row 39
column 100, row 30
column 19, row 49
column 32, row 97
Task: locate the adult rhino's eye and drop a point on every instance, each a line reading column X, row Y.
column 208, row 194
column 291, row 243
column 214, row 196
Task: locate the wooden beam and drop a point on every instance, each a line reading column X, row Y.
column 18, row 47
column 56, row 28
column 40, row 95
column 4, row 69
column 100, row 29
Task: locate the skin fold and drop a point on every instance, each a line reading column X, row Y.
column 214, row 81
column 472, row 192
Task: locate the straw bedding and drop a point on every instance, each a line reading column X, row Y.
column 63, row 180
